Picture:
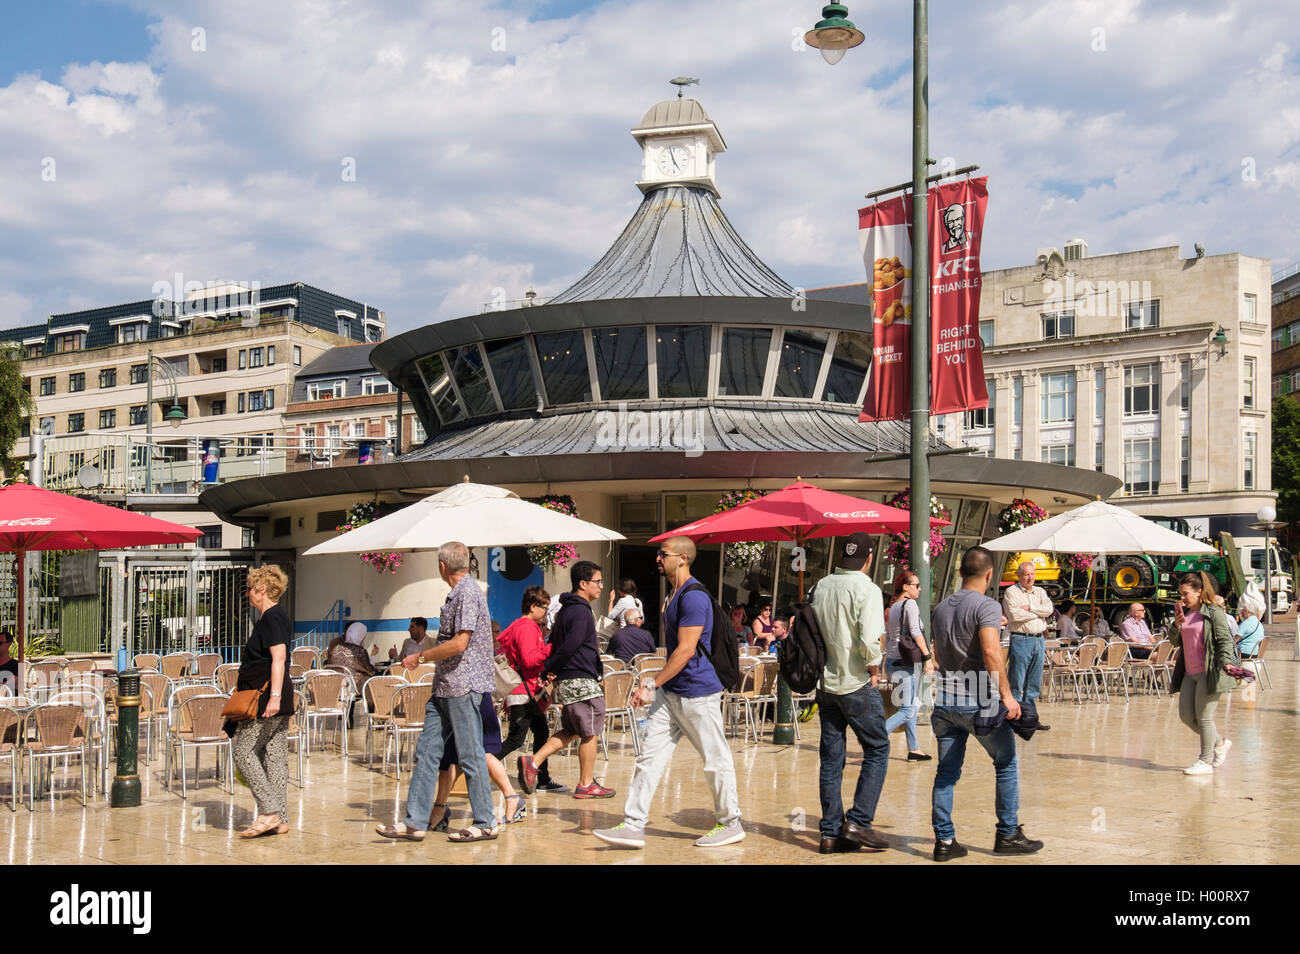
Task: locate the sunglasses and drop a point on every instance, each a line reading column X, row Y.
column 665, row 554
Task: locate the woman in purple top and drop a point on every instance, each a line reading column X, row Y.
column 1201, row 629
column 762, row 627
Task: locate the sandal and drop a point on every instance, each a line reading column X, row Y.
column 473, row 833
column 519, row 814
column 446, row 818
column 394, row 831
column 265, row 828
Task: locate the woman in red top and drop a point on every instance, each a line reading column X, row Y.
column 525, row 647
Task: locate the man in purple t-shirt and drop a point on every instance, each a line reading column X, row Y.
column 689, row 705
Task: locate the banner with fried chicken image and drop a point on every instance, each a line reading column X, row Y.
column 884, row 235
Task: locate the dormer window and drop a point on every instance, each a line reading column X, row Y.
column 131, row 329
column 326, row 390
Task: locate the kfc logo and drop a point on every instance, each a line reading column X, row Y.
column 954, row 220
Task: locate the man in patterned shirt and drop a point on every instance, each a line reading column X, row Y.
column 465, row 671
column 575, row 666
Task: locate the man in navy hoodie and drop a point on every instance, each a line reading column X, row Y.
column 575, row 667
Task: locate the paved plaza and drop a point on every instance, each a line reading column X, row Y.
column 1105, row 785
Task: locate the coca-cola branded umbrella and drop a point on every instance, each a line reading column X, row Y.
column 35, row 519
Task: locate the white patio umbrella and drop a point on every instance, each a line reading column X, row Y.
column 478, row 515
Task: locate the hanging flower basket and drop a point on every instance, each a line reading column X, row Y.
column 1023, row 512
column 898, row 549
column 557, row 555
column 358, row 515
column 740, row 556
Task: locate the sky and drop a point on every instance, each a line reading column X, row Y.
column 428, row 156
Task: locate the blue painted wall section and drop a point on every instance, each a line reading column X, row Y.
column 509, row 573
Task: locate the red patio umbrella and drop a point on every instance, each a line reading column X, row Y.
column 35, row 519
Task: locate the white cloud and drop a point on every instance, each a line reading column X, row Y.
column 479, row 167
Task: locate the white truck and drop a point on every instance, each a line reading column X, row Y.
column 1251, row 552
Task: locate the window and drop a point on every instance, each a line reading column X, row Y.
column 1184, row 463
column 1248, row 382
column 1279, row 385
column 255, row 357
column 211, row 539
column 1099, row 395
column 69, row 342
column 308, row 434
column 390, row 428
column 1184, row 385
column 980, row 418
column 1141, row 387
column 219, row 364
column 513, row 372
column 1017, row 401
column 218, row 408
column 170, row 331
column 108, row 378
column 374, row 332
column 849, row 364
column 270, row 355
column 1279, row 339
column 562, row 356
column 139, row 373
column 257, row 400
column 248, row 537
column 682, row 354
column 1057, row 454
column 36, row 350
column 1248, row 461
column 744, row 361
column 621, row 363
column 297, row 355
column 345, row 327
column 107, row 419
column 326, row 390
column 243, row 360
column 76, row 423
column 1142, row 466
column 47, row 386
column 132, row 332
column 418, row 434
column 1142, row 314
column 242, row 402
column 372, row 386
column 47, row 426
column 1100, row 458
column 1248, row 308
column 1058, row 325
column 986, row 333
column 327, row 521
column 280, row 527
column 467, row 371
column 270, row 399
column 138, row 414
column 77, row 381
column 801, row 361
column 1058, row 397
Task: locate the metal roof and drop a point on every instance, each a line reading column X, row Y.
column 678, row 243
column 676, row 112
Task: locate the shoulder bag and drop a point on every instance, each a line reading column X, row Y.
column 242, row 705
column 908, row 651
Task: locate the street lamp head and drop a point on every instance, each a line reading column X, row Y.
column 175, row 414
column 834, row 33
column 1220, row 338
column 1266, row 514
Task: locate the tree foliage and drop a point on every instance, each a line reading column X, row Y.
column 1286, row 462
column 16, row 406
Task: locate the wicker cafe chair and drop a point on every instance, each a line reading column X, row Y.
column 205, row 668
column 44, row 679
column 308, row 657
column 60, row 733
column 9, row 742
column 636, row 660
column 377, row 699
column 146, row 661
column 226, row 677
column 198, row 723
column 155, row 695
column 1256, row 665
column 618, row 704
column 175, row 666
column 407, row 706
column 324, row 691
column 80, row 665
column 295, row 735
column 95, row 724
column 614, row 663
column 420, row 673
column 1113, row 665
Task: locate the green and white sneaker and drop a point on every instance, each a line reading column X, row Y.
column 621, row 836
column 722, row 835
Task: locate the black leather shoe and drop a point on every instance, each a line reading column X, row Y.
column 949, row 851
column 1016, row 844
column 918, row 757
column 1041, row 727
column 866, row 837
column 837, row 845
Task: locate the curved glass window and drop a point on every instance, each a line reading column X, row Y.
column 436, row 379
column 563, row 359
column 512, row 372
column 743, row 360
column 849, row 364
column 682, row 354
column 621, row 365
column 801, row 360
column 471, row 379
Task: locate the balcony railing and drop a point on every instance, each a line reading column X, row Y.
column 121, row 464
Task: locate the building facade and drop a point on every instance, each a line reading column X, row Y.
column 1286, row 333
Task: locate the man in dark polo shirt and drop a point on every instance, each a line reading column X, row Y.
column 631, row 640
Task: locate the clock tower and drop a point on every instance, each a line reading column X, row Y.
column 679, row 143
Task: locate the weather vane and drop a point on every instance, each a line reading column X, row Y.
column 681, row 81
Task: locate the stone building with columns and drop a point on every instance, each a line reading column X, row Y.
column 1143, row 365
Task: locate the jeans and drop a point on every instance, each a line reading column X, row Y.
column 951, row 727
column 907, row 678
column 699, row 720
column 1196, row 707
column 863, row 711
column 445, row 718
column 1025, row 667
column 522, row 718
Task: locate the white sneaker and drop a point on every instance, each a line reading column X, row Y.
column 722, row 835
column 622, row 836
column 1221, row 751
column 1200, row 768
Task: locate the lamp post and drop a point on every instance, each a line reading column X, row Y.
column 833, row 35
column 174, row 415
column 1269, row 523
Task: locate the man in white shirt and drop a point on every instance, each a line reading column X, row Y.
column 1027, row 608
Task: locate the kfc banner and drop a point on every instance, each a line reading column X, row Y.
column 956, row 357
column 884, row 234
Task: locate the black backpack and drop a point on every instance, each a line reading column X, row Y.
column 724, row 653
column 803, row 651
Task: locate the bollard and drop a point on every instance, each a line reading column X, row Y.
column 125, row 792
column 783, row 731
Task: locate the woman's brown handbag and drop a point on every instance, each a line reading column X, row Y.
column 242, row 705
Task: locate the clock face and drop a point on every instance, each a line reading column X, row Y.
column 674, row 160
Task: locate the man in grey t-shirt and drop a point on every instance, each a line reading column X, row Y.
column 972, row 680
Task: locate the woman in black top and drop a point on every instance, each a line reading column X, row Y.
column 261, row 747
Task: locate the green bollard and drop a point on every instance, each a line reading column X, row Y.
column 125, row 792
column 783, row 732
